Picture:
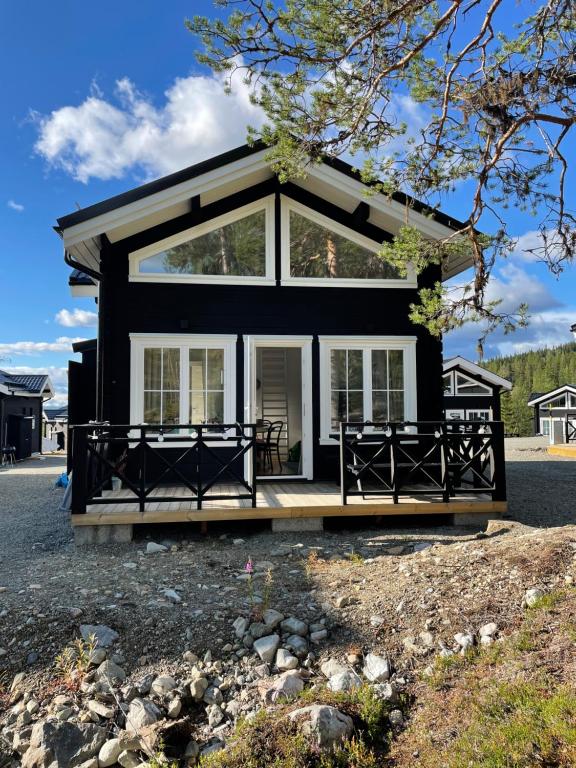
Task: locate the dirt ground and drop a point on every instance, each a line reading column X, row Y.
column 389, row 575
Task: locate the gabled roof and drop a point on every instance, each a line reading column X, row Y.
column 26, row 384
column 542, row 399
column 56, row 413
column 169, row 197
column 476, row 370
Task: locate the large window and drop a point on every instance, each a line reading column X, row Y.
column 319, row 250
column 366, row 380
column 456, row 383
column 183, row 380
column 234, row 246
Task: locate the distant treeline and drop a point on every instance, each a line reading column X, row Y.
column 537, row 371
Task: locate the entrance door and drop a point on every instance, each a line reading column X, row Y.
column 278, row 399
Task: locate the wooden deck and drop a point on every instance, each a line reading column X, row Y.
column 276, row 500
column 564, row 449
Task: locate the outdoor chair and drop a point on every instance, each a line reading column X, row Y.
column 8, row 456
column 271, row 444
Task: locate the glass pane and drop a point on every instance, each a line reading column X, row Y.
column 396, row 363
column 447, row 382
column 338, row 409
column 197, row 363
column 197, row 411
column 379, row 369
column 171, row 369
column 559, row 402
column 152, row 368
column 355, row 376
column 170, row 407
column 355, row 406
column 379, row 406
column 316, row 251
column 215, row 409
column 215, row 369
column 396, row 400
column 470, row 387
column 152, row 408
column 237, row 249
column 338, row 369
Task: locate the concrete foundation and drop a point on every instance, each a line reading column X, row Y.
column 85, row 535
column 288, row 524
column 474, row 519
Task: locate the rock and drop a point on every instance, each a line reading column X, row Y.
column 332, row 667
column 488, row 630
column 298, row 645
column 325, row 725
column 464, row 640
column 285, row 660
column 238, row 542
column 215, row 715
column 258, row 630
column 293, row 626
column 385, row 692
column 141, row 712
column 213, row 695
column 344, row 681
column 105, row 636
column 376, row 621
column 174, row 707
column 376, row 668
column 64, row 744
column 241, row 626
column 427, row 639
column 531, row 597
column 396, row 718
column 342, row 601
column 163, row 685
column 266, row 647
column 172, row 595
column 102, row 710
column 286, row 687
column 109, row 753
column 111, row 672
column 317, row 637
column 129, row 759
column 97, row 656
column 152, row 548
column 32, row 706
column 272, row 618
column 92, row 763
column 198, row 688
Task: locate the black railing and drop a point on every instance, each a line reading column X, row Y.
column 440, row 458
column 147, row 461
column 571, row 428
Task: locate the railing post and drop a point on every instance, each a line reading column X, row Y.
column 254, row 463
column 499, row 461
column 343, row 486
column 79, row 472
column 142, row 494
column 444, row 474
column 199, row 467
column 394, row 474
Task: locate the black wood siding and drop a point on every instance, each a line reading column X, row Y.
column 13, row 405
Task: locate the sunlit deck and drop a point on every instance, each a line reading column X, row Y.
column 276, row 500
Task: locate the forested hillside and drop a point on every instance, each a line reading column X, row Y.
column 536, row 371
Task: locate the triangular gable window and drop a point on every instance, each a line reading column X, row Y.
column 467, row 386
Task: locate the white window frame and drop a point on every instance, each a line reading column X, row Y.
column 265, row 204
column 487, row 411
column 184, row 342
column 455, row 391
column 287, row 206
column 327, row 343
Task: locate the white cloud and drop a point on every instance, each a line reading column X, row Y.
column 105, row 138
column 514, row 286
column 15, row 206
column 76, row 318
column 62, row 344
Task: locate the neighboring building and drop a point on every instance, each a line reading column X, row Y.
column 226, row 297
column 555, row 413
column 21, row 399
column 472, row 392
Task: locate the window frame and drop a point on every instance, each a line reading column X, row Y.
column 265, row 204
column 287, row 206
column 488, row 392
column 407, row 344
column 184, row 342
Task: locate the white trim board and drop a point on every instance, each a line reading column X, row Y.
column 475, row 370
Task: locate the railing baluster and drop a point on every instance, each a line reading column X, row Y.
column 394, row 464
column 343, row 483
column 142, row 451
column 199, row 447
column 499, row 461
column 79, row 472
column 254, row 461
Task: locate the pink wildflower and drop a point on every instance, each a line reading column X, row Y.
column 249, row 567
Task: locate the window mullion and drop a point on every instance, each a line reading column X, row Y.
column 367, row 383
column 184, row 385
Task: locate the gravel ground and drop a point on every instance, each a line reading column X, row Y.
column 47, row 587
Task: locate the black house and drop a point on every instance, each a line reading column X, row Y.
column 21, row 399
column 472, row 392
column 225, row 297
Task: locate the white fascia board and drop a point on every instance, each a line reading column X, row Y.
column 380, row 202
column 476, row 370
column 84, row 291
column 552, row 394
column 167, row 197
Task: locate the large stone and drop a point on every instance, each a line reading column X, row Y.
column 104, row 635
column 266, row 647
column 298, row 645
column 326, row 726
column 109, row 753
column 141, row 712
column 285, row 660
column 86, row 535
column 344, row 681
column 198, row 687
column 110, row 672
column 163, row 685
column 332, row 667
column 241, row 626
column 152, row 548
column 106, row 711
column 294, row 626
column 272, row 618
column 488, row 630
column 532, row 596
column 286, row 687
column 376, row 668
column 64, row 744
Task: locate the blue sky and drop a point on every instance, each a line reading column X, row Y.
column 98, row 98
